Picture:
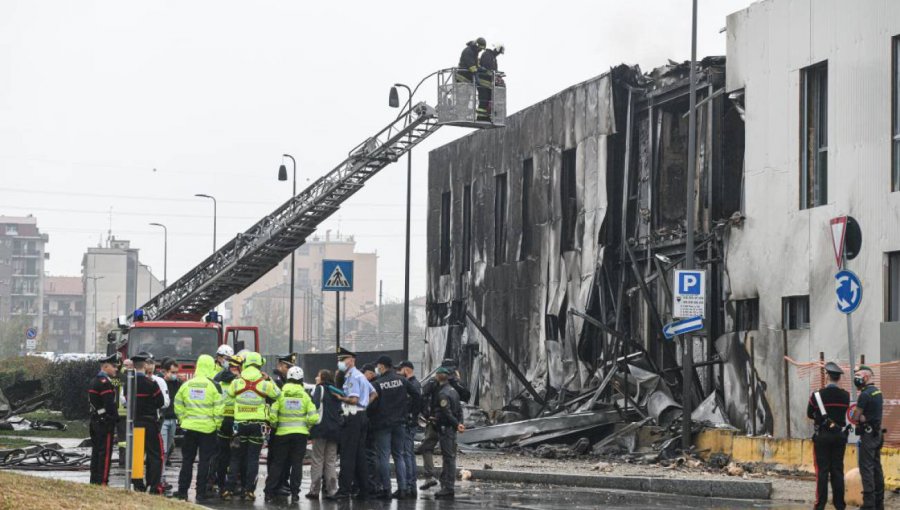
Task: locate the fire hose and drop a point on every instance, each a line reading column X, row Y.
column 45, row 459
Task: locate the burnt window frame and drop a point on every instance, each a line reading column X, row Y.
column 814, row 135
column 895, row 113
column 467, row 229
column 746, row 314
column 446, row 222
column 892, row 287
column 501, row 204
column 568, row 194
column 794, row 309
column 527, row 186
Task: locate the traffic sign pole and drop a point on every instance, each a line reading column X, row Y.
column 850, row 351
column 337, row 320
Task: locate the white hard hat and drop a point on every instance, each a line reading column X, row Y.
column 225, row 350
column 500, row 48
column 295, row 374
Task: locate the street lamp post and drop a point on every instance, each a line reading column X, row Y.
column 165, row 253
column 201, row 195
column 282, row 176
column 393, row 102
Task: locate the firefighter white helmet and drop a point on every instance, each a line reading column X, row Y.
column 225, row 350
column 500, row 48
column 295, row 374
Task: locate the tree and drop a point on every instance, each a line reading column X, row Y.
column 12, row 335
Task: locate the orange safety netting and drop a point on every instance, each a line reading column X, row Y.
column 887, row 379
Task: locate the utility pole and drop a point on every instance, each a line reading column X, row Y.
column 282, row 176
column 380, row 310
column 688, row 340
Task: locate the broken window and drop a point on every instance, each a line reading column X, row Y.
column 895, row 177
column 569, row 202
column 746, row 314
column 467, row 229
column 551, row 326
column 500, row 194
column 795, row 312
column 814, row 136
column 445, row 232
column 893, row 287
column 527, row 171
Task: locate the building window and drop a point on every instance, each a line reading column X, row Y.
column 895, row 174
column 569, row 201
column 500, row 194
column 795, row 312
column 527, row 175
column 467, row 229
column 12, row 230
column 445, row 232
column 893, row 287
column 746, row 314
column 814, row 136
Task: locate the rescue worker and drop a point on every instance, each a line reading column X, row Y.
column 102, row 397
column 468, row 60
column 414, row 389
column 250, row 393
column 148, row 400
column 387, row 426
column 291, row 417
column 222, row 354
column 357, row 393
column 828, row 410
column 868, row 414
column 432, row 437
column 222, row 456
column 448, row 418
column 486, row 79
column 197, row 407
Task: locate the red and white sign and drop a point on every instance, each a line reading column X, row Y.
column 838, row 231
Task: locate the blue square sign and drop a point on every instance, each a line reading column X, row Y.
column 689, row 296
column 337, row 275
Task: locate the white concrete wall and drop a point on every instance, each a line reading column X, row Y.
column 782, row 250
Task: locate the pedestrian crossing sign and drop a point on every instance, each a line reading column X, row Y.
column 337, row 275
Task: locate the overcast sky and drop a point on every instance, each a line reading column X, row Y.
column 136, row 106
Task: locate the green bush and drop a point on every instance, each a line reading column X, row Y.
column 69, row 382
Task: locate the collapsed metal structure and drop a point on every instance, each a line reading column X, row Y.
column 551, row 243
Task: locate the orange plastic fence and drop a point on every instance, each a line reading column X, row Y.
column 887, row 379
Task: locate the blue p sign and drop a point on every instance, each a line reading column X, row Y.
column 689, row 283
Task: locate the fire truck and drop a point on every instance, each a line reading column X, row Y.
column 180, row 321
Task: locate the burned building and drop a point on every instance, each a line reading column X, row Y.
column 551, row 241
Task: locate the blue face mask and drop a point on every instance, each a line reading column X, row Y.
column 342, row 366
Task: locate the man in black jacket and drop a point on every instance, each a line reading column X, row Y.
column 468, row 60
column 414, row 406
column 828, row 409
column 102, row 397
column 488, row 64
column 448, row 417
column 387, row 425
column 429, row 401
column 169, row 373
column 148, row 400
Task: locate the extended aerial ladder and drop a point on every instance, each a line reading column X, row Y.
column 251, row 254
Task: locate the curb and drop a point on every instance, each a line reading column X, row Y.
column 730, row 489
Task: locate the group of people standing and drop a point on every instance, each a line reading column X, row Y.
column 230, row 409
column 478, row 64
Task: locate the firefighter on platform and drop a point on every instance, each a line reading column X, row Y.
column 486, row 78
column 448, row 418
column 102, row 397
column 868, row 415
column 251, row 394
column 197, row 407
column 291, row 417
column 148, row 401
column 828, row 410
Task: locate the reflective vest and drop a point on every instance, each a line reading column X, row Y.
column 250, row 393
column 293, row 412
column 196, row 405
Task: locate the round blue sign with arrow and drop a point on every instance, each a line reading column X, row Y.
column 31, row 333
column 849, row 291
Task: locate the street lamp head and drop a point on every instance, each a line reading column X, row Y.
column 202, row 195
column 282, row 173
column 394, row 98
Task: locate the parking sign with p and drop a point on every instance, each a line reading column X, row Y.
column 689, row 298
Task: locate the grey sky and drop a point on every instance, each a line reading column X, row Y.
column 95, row 95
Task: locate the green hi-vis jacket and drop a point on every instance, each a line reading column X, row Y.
column 250, row 392
column 198, row 402
column 294, row 411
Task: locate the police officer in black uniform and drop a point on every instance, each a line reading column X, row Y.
column 448, row 418
column 388, row 417
column 429, row 394
column 147, row 404
column 104, row 415
column 868, row 414
column 828, row 410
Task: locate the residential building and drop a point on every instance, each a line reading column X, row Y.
column 63, row 328
column 22, row 256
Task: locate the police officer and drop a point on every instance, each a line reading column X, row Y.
column 197, row 406
column 868, row 414
column 102, row 397
column 222, row 456
column 281, row 369
column 429, row 396
column 250, row 392
column 828, row 410
column 148, row 401
column 414, row 406
column 356, row 395
column 448, row 419
column 291, row 417
column 387, row 426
